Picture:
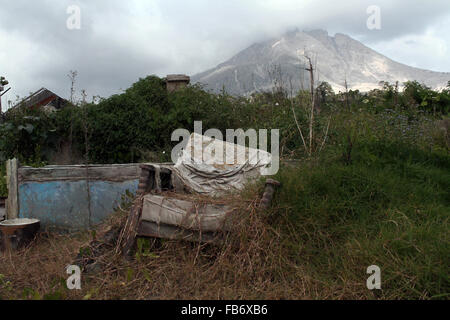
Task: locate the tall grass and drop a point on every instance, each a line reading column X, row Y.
column 390, row 207
column 378, row 194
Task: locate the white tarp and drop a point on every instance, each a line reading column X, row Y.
column 207, row 217
column 211, row 166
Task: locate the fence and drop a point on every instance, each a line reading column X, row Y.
column 68, row 197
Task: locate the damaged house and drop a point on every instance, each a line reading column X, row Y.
column 80, row 197
column 43, row 98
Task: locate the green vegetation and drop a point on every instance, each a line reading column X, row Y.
column 378, row 193
column 389, row 207
column 138, row 123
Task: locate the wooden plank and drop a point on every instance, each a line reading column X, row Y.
column 114, row 173
column 128, row 234
column 104, row 173
column 154, row 230
column 207, row 217
column 12, row 203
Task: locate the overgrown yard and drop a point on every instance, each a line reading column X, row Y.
column 329, row 222
column 372, row 188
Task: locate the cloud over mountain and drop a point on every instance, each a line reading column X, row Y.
column 337, row 60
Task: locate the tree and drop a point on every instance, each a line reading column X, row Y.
column 313, row 92
column 324, row 92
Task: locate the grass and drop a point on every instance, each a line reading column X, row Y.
column 390, row 208
column 38, row 272
column 388, row 204
column 241, row 268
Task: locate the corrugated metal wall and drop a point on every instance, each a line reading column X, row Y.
column 74, row 197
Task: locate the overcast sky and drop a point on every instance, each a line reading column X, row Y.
column 120, row 41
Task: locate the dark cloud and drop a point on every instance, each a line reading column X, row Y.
column 121, row 41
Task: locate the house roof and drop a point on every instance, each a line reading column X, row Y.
column 42, row 97
column 177, row 77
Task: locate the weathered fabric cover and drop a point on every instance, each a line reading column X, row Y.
column 185, row 214
column 203, row 169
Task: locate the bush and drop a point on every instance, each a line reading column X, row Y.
column 3, row 187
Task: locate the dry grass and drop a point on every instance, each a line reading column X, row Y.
column 249, row 265
column 254, row 262
column 39, row 269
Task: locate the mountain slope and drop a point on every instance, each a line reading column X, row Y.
column 338, row 59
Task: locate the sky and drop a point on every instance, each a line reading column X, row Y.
column 113, row 43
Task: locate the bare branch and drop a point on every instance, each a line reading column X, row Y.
column 326, row 135
column 296, row 121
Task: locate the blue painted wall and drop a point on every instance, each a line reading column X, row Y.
column 64, row 204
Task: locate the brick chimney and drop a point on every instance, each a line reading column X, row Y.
column 176, row 81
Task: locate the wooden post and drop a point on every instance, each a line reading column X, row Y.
column 268, row 193
column 128, row 234
column 12, row 203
